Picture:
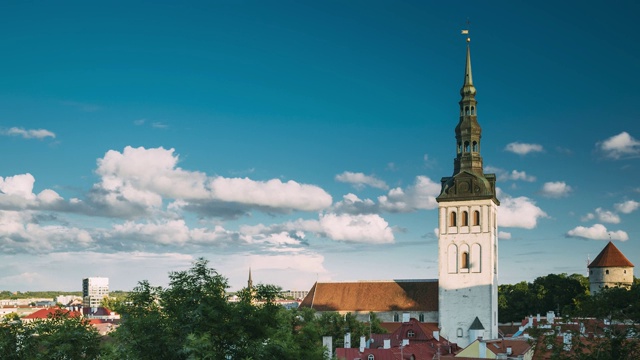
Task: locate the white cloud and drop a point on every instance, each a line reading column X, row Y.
column 503, row 235
column 29, row 133
column 273, row 193
column 137, row 181
column 514, row 175
column 519, row 212
column 556, row 189
column 16, row 192
column 627, row 207
column 420, row 196
column 20, row 233
column 359, row 180
column 523, row 148
column 607, row 216
column 588, row 217
column 351, row 204
column 597, row 232
column 356, row 228
column 621, row 145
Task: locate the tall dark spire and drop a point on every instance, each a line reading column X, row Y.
column 250, row 282
column 468, row 180
column 468, row 131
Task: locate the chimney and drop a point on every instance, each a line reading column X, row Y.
column 482, row 349
column 387, row 344
column 538, row 318
column 509, row 350
column 347, row 340
column 436, row 335
column 530, row 321
column 363, row 341
column 327, row 343
column 550, row 317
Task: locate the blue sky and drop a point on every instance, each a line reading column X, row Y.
column 307, row 140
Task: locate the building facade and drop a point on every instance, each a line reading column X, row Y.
column 94, row 289
column 468, row 233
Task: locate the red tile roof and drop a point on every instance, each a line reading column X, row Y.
column 391, row 295
column 610, row 256
column 45, row 313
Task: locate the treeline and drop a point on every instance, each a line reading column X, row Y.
column 190, row 319
column 566, row 295
column 8, row 295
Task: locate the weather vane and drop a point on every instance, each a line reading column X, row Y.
column 466, row 31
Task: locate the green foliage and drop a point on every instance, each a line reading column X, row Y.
column 561, row 293
column 36, row 294
column 61, row 336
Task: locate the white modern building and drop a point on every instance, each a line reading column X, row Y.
column 94, row 289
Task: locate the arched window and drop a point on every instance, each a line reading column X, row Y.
column 459, row 148
column 475, row 146
column 411, row 334
column 371, row 357
column 476, row 218
column 421, row 317
column 465, row 218
column 464, row 262
column 466, row 110
column 473, row 110
column 452, row 219
column 466, row 146
column 396, row 317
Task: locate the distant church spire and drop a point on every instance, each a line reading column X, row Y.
column 250, row 282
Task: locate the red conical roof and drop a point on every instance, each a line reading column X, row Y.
column 610, row 256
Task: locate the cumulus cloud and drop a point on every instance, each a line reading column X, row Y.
column 351, row 204
column 503, row 235
column 556, row 189
column 20, row 233
column 29, row 133
column 16, row 192
column 523, row 148
column 360, row 180
column 607, row 216
column 627, row 207
column 597, row 232
column 136, row 182
column 514, row 175
column 518, row 212
column 419, row 196
column 356, row 228
column 619, row 146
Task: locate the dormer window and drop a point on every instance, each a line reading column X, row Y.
column 371, row 357
column 411, row 334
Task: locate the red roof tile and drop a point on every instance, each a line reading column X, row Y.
column 45, row 313
column 391, row 295
column 610, row 256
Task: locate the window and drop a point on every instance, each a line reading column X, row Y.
column 411, row 334
column 476, row 218
column 473, row 110
column 465, row 260
column 465, row 218
column 607, row 272
column 466, row 110
column 459, row 148
column 466, row 146
column 590, row 272
column 459, row 332
column 421, row 317
column 371, row 357
column 452, row 219
column 396, row 317
column 475, row 146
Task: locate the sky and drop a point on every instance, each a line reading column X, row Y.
column 306, row 140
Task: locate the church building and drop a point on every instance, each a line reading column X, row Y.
column 464, row 300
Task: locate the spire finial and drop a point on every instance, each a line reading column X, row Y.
column 466, row 31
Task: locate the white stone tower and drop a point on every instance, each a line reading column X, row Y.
column 610, row 269
column 468, row 234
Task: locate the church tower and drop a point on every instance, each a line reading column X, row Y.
column 468, row 234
